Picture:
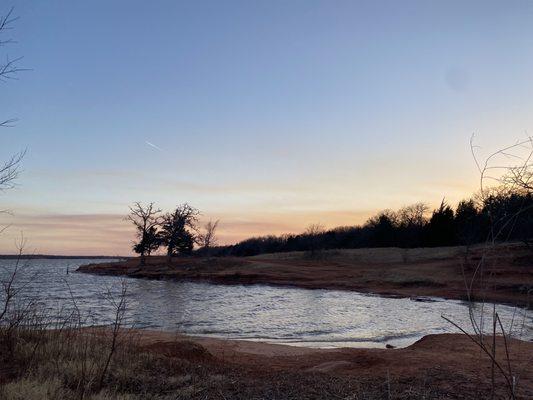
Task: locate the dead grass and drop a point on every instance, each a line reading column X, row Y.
column 52, row 365
column 66, row 365
column 373, row 255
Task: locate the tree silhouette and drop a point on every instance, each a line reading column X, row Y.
column 146, row 220
column 441, row 226
column 207, row 238
column 411, row 221
column 8, row 70
column 382, row 228
column 468, row 223
column 313, row 235
column 178, row 230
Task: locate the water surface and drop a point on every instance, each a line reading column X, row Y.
column 315, row 318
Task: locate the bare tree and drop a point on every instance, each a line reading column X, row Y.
column 313, row 233
column 17, row 307
column 8, row 70
column 146, row 220
column 178, row 230
column 12, row 315
column 9, row 287
column 207, row 238
column 521, row 176
column 510, row 167
column 503, row 172
column 412, row 215
column 314, row 229
column 9, row 171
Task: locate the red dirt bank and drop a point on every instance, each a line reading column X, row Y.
column 449, row 363
column 507, row 273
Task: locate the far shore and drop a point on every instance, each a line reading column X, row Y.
column 444, row 272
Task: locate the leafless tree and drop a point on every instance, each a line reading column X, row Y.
column 8, row 70
column 16, row 305
column 10, row 67
column 12, row 312
column 521, row 176
column 313, row 233
column 9, row 171
column 505, row 171
column 314, row 229
column 9, row 287
column 207, row 238
column 412, row 215
column 510, row 168
column 146, row 219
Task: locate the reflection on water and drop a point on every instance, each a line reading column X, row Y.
column 317, row 318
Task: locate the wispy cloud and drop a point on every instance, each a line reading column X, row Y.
column 153, row 145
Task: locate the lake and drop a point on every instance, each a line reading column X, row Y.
column 303, row 317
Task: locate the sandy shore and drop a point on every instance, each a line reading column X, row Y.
column 506, row 276
column 451, row 362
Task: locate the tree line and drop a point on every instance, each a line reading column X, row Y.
column 501, row 215
column 495, row 214
column 178, row 231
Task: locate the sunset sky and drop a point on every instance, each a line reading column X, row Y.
column 267, row 115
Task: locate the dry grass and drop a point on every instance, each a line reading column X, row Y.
column 373, row 255
column 68, row 365
column 53, row 365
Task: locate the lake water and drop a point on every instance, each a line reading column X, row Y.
column 315, row 318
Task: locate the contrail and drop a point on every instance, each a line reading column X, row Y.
column 153, row 145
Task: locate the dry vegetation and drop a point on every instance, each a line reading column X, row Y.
column 443, row 272
column 68, row 365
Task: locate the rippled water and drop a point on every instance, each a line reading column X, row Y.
column 316, row 318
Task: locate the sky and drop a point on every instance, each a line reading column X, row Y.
column 267, row 115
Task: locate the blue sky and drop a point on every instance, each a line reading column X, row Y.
column 269, row 115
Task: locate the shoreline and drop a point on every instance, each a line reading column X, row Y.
column 439, row 356
column 361, row 291
column 388, row 272
column 155, row 364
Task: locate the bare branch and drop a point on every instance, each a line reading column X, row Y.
column 207, row 238
column 9, row 171
column 146, row 218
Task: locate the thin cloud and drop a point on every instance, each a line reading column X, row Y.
column 153, row 145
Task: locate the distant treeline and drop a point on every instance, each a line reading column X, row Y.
column 501, row 216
